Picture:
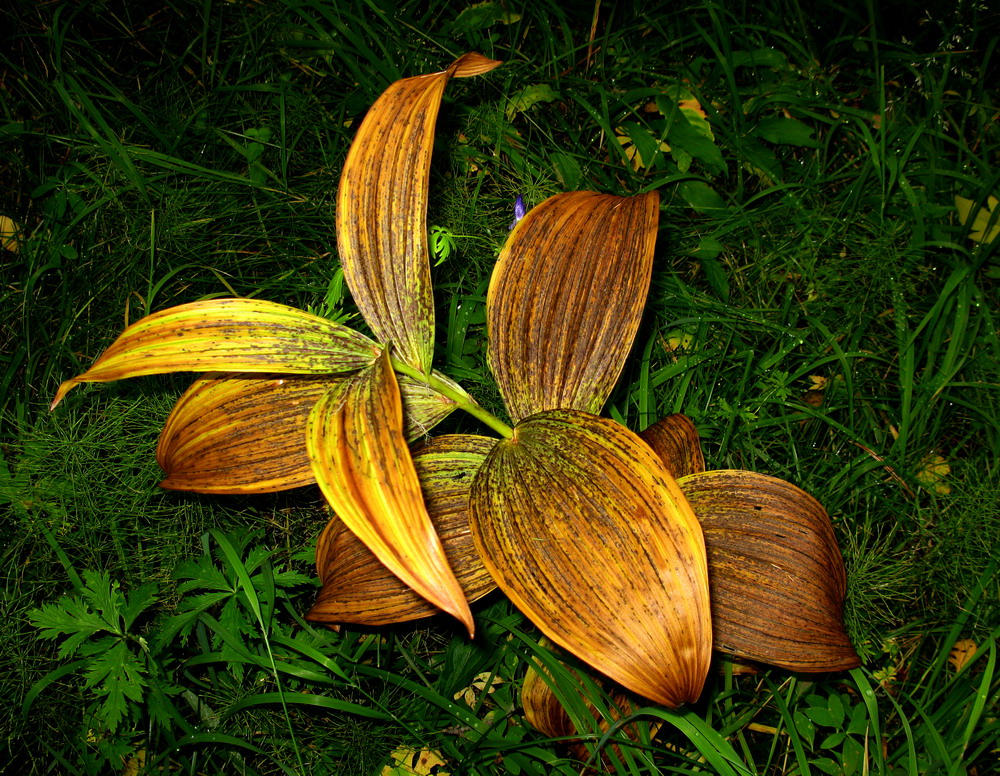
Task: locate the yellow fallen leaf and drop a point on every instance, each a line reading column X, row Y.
column 10, row 234
column 410, row 762
column 963, row 650
column 982, row 230
column 933, row 470
column 479, row 684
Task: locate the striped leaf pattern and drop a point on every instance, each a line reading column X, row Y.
column 244, row 433
column 777, row 577
column 358, row 588
column 382, row 211
column 354, row 437
column 566, row 297
column 677, row 442
column 584, row 529
column 231, row 335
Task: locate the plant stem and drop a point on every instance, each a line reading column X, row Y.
column 463, row 400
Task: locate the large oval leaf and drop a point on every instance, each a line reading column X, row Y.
column 382, row 211
column 358, row 588
column 240, row 433
column 354, row 437
column 776, row 573
column 566, row 297
column 584, row 529
column 231, row 335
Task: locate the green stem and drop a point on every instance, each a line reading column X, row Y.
column 461, row 398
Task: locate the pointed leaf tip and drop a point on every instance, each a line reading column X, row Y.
column 363, row 466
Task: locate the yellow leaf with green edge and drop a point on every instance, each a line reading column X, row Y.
column 382, row 211
column 358, row 588
column 354, row 437
column 777, row 575
column 405, row 761
column 566, row 297
column 986, row 223
column 231, row 335
column 585, row 530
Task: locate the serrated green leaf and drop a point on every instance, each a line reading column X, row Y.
column 137, row 601
column 120, row 677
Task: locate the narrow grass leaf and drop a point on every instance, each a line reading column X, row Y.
column 233, row 335
column 566, row 297
column 243, row 433
column 777, row 576
column 355, row 441
column 358, row 588
column 584, row 529
column 382, row 211
column 676, row 441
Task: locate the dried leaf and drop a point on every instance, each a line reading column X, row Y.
column 585, row 530
column 961, row 653
column 232, row 335
column 777, row 576
column 566, row 297
column 382, row 211
column 675, row 440
column 358, row 588
column 354, row 436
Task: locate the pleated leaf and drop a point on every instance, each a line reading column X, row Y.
column 232, row 335
column 354, row 437
column 240, row 433
column 566, row 297
column 582, row 526
column 676, row 441
column 382, row 211
column 777, row 576
column 358, row 588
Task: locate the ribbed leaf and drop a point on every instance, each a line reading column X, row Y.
column 355, row 441
column 676, row 441
column 232, row 335
column 585, row 530
column 566, row 297
column 358, row 588
column 776, row 573
column 382, row 211
column 240, row 433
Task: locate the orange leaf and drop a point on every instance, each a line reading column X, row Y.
column 359, row 456
column 585, row 530
column 676, row 441
column 358, row 588
column 566, row 297
column 382, row 211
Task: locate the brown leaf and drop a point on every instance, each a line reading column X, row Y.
column 585, row 530
column 566, row 297
column 358, row 588
column 242, row 433
column 233, row 335
column 359, row 456
column 676, row 441
column 777, row 576
column 382, row 211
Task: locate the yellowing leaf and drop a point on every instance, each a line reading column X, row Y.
column 486, row 681
column 359, row 456
column 985, row 224
column 358, row 588
column 933, row 469
column 677, row 443
column 588, row 534
column 382, row 211
column 777, row 576
column 961, row 653
column 566, row 297
column 410, row 762
column 231, row 335
column 10, row 234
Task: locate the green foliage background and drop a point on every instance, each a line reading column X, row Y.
column 818, row 310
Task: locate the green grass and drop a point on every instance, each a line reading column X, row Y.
column 817, row 309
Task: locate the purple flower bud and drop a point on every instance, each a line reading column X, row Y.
column 519, row 210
